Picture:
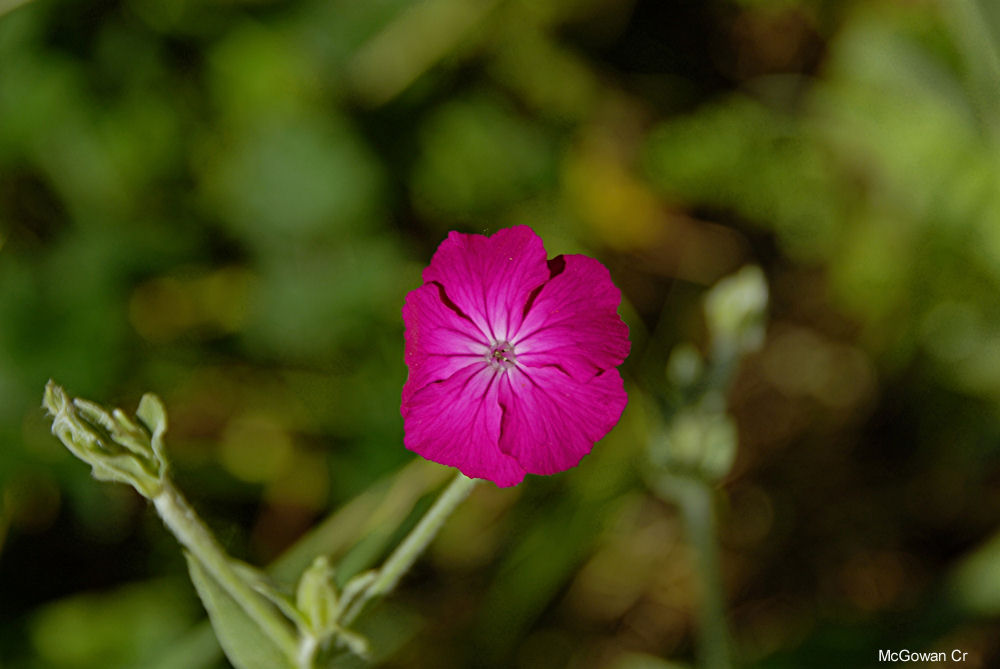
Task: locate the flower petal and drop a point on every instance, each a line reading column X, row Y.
column 551, row 420
column 573, row 322
column 456, row 422
column 438, row 340
column 490, row 278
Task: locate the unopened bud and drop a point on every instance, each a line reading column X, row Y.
column 112, row 444
column 316, row 597
column 735, row 310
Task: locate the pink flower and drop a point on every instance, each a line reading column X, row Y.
column 512, row 358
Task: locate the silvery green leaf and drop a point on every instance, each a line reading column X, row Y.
column 127, row 433
column 267, row 588
column 357, row 644
column 94, row 413
column 244, row 643
column 354, row 588
column 154, row 416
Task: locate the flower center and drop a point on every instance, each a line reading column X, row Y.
column 501, row 356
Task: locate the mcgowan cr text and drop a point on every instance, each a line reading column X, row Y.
column 915, row 656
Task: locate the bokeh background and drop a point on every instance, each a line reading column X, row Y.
column 226, row 202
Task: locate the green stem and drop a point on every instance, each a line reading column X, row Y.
column 698, row 506
column 382, row 506
column 413, row 545
column 181, row 519
column 7, row 6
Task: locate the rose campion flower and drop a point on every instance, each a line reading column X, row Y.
column 512, row 358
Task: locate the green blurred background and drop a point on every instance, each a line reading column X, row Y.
column 226, row 202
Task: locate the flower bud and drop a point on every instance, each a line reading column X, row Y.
column 699, row 441
column 735, row 310
column 316, row 597
column 115, row 447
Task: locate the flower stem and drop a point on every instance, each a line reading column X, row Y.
column 697, row 505
column 184, row 523
column 7, row 6
column 401, row 559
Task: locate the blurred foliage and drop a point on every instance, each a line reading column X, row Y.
column 225, row 203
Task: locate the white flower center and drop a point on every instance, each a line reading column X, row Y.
column 501, row 356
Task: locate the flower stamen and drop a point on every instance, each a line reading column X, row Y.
column 501, row 356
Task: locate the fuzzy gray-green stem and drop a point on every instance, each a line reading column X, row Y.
column 413, row 545
column 698, row 507
column 182, row 521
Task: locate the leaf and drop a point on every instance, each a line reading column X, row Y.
column 154, row 417
column 244, row 643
